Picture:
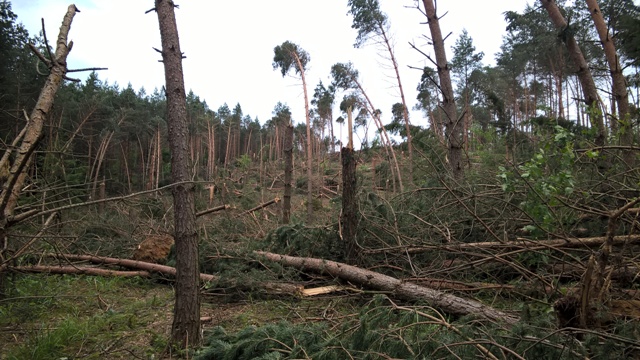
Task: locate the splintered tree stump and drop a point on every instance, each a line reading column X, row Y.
column 154, row 249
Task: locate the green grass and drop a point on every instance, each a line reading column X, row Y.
column 53, row 317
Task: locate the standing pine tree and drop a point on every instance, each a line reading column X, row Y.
column 465, row 60
column 287, row 56
column 186, row 319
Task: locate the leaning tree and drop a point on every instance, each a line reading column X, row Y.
column 373, row 25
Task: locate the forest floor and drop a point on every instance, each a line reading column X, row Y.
column 90, row 317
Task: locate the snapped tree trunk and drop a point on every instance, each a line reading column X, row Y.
column 453, row 127
column 349, row 216
column 288, row 172
column 185, row 330
column 584, row 73
column 619, row 85
column 32, row 133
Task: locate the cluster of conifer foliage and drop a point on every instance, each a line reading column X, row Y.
column 547, row 179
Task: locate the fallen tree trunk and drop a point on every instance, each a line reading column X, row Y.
column 78, row 270
column 272, row 288
column 520, row 243
column 449, row 303
column 131, row 264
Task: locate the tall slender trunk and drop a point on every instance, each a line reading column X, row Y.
column 185, row 330
column 584, row 73
column 349, row 214
column 385, row 137
column 452, row 127
column 405, row 110
column 309, row 146
column 619, row 85
column 288, row 171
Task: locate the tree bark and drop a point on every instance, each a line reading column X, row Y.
column 569, row 243
column 385, row 136
column 349, row 216
column 33, row 134
column 288, row 172
column 309, row 146
column 447, row 302
column 619, row 85
column 453, row 127
column 185, row 330
column 78, row 270
column 405, row 110
column 584, row 73
column 131, row 264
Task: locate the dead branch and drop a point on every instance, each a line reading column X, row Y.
column 212, row 210
column 273, row 288
column 520, row 243
column 30, row 242
column 261, row 206
column 77, row 270
column 132, row 264
column 449, row 303
column 38, row 212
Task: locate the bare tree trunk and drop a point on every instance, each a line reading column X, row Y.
column 584, row 74
column 385, row 137
column 349, row 215
column 619, row 85
column 405, row 110
column 288, row 172
column 453, row 131
column 186, row 321
column 447, row 302
column 15, row 180
column 309, row 146
column 17, row 174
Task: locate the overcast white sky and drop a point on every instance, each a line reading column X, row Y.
column 229, row 45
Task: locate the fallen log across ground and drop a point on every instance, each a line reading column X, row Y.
column 272, row 288
column 131, row 264
column 447, row 302
column 520, row 243
column 78, row 270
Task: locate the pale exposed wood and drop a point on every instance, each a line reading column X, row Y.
column 261, row 206
column 212, row 210
column 322, row 290
column 449, row 303
column 58, row 69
